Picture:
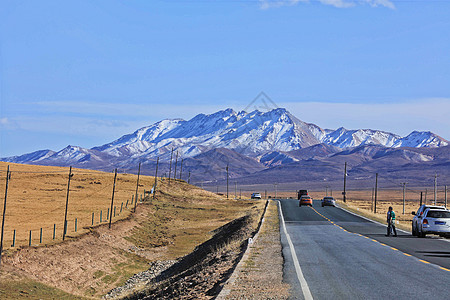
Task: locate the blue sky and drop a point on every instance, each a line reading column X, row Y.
column 86, row 72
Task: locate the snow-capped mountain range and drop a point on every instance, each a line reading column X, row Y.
column 255, row 134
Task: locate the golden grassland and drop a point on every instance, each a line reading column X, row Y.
column 37, row 198
column 96, row 259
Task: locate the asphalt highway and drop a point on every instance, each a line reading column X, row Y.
column 332, row 254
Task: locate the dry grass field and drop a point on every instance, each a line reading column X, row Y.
column 96, row 259
column 37, row 199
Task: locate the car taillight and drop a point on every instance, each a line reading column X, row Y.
column 425, row 221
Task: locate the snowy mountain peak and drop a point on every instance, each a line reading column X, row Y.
column 421, row 139
column 256, row 134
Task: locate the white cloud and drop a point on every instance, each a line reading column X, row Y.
column 8, row 124
column 126, row 111
column 385, row 3
column 266, row 4
column 338, row 3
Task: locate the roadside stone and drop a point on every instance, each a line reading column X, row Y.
column 139, row 279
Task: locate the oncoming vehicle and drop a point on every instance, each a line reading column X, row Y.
column 305, row 200
column 328, row 201
column 301, row 193
column 256, row 196
column 418, row 216
column 434, row 221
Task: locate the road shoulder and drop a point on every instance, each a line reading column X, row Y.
column 261, row 273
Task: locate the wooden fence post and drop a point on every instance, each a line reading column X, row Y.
column 8, row 175
column 67, row 203
column 137, row 187
column 112, row 198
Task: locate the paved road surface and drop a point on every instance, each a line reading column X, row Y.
column 343, row 256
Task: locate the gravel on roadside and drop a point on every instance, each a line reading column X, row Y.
column 261, row 273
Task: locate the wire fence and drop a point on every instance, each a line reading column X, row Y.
column 36, row 202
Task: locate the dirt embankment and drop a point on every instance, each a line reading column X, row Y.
column 85, row 266
column 168, row 228
column 201, row 274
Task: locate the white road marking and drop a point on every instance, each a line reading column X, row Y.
column 373, row 221
column 298, row 270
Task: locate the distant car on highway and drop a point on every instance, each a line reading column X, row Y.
column 434, row 221
column 305, row 200
column 256, row 196
column 328, row 201
column 418, row 216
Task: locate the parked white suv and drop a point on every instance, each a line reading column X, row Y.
column 418, row 217
column 435, row 221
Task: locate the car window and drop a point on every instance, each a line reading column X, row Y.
column 438, row 214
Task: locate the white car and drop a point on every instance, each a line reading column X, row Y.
column 434, row 221
column 256, row 196
column 418, row 216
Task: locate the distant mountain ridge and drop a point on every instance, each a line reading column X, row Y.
column 259, row 140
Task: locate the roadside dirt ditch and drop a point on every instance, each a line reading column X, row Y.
column 202, row 273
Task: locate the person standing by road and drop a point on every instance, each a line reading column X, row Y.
column 391, row 222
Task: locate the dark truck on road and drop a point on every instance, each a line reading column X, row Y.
column 301, row 193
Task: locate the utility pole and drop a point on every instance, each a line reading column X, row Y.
column 376, row 191
column 345, row 182
column 404, row 187
column 275, row 190
column 227, row 181
column 445, row 195
column 421, row 194
column 435, row 188
column 67, row 203
column 189, row 178
column 8, row 175
column 137, row 187
column 112, row 198
column 170, row 166
column 156, row 178
column 371, row 207
column 181, row 168
column 176, row 163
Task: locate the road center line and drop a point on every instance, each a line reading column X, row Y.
column 298, row 270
